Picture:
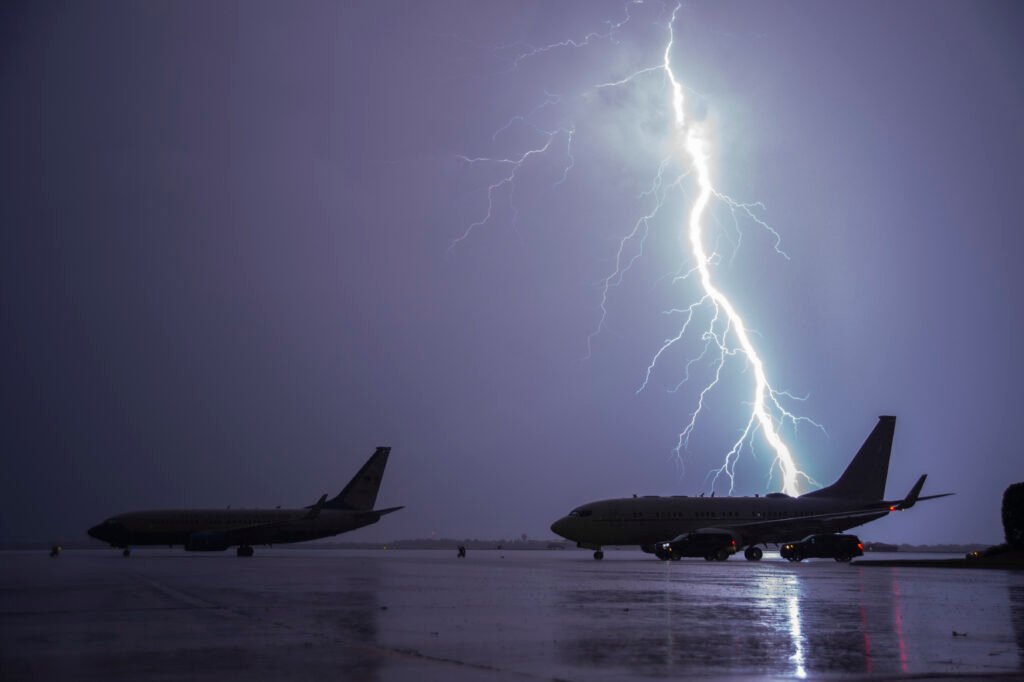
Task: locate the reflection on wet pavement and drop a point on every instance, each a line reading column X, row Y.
column 399, row 615
column 1017, row 616
column 795, row 621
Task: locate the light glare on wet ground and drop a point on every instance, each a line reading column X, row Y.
column 394, row 615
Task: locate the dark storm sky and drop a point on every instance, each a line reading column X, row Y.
column 225, row 278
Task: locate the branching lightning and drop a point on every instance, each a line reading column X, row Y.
column 725, row 335
column 515, row 165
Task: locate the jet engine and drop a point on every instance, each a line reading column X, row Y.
column 207, row 541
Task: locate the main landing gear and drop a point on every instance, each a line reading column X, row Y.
column 718, row 555
column 126, row 552
column 598, row 555
column 753, row 553
column 244, row 550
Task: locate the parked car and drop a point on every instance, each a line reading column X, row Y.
column 827, row 546
column 713, row 545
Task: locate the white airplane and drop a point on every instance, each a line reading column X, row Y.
column 856, row 498
column 214, row 530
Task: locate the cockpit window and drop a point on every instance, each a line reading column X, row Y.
column 580, row 512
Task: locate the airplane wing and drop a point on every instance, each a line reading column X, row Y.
column 260, row 532
column 797, row 527
column 237, row 533
column 243, row 533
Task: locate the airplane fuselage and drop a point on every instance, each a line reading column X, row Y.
column 241, row 526
column 648, row 520
column 856, row 498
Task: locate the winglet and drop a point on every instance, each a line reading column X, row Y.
column 911, row 499
column 314, row 511
column 915, row 496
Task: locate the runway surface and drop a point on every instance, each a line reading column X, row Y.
column 401, row 615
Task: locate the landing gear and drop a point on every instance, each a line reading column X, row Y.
column 126, row 552
column 753, row 553
column 598, row 555
column 244, row 550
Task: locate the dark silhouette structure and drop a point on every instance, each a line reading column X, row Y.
column 1013, row 515
column 214, row 530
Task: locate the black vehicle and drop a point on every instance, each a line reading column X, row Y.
column 826, row 546
column 713, row 545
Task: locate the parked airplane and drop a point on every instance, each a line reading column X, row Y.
column 853, row 500
column 201, row 530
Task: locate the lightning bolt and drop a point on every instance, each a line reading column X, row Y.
column 514, row 166
column 726, row 334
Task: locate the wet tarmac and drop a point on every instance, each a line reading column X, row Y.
column 425, row 615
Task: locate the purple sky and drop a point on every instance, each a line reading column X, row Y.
column 226, row 277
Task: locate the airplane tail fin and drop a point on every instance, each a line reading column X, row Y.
column 864, row 478
column 361, row 492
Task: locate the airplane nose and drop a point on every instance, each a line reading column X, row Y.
column 561, row 527
column 107, row 531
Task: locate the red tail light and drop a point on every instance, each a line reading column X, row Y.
column 860, row 546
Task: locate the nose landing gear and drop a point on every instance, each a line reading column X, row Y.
column 598, row 555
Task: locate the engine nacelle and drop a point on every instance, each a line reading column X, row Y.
column 207, row 541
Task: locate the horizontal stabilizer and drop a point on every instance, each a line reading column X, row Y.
column 914, row 496
column 382, row 512
column 377, row 513
column 934, row 497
